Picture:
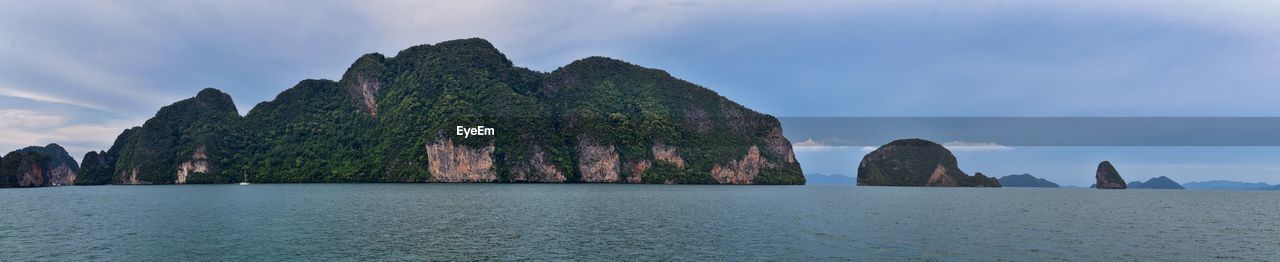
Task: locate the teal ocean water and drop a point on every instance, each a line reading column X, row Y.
column 631, row 222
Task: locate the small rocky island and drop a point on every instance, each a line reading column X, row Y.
column 916, row 162
column 38, row 166
column 1108, row 177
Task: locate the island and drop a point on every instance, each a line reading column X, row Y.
column 1108, row 178
column 1161, row 182
column 1025, row 180
column 919, row 163
column 396, row 119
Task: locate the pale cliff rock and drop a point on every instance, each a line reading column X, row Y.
column 637, row 172
column 740, row 171
column 31, row 174
column 366, row 90
column 130, row 177
column 197, row 164
column 668, row 154
column 363, row 81
column 779, row 144
column 449, row 162
column 941, row 177
column 61, row 175
column 597, row 163
column 537, row 170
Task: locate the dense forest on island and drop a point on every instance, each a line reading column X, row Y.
column 394, row 119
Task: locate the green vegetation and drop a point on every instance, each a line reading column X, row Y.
column 376, row 123
column 94, row 169
column 177, row 133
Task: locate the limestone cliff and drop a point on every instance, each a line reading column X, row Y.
column 598, row 163
column 460, row 163
column 198, row 164
column 38, row 166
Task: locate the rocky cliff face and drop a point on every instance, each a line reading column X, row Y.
column 740, row 171
column 393, row 119
column 916, row 162
column 538, row 169
column 197, row 165
column 459, row 163
column 598, row 163
column 37, row 166
column 1108, row 177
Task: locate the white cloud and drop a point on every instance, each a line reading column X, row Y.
column 974, row 146
column 809, row 145
column 22, row 128
column 34, row 96
column 20, row 118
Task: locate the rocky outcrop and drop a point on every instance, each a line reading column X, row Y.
column 662, row 152
column 741, row 171
column 23, row 169
column 198, row 164
column 460, row 163
column 916, row 162
column 130, row 177
column 941, row 176
column 61, row 175
column 637, row 172
column 38, row 166
column 597, row 163
column 779, row 144
column 537, row 170
column 1108, row 178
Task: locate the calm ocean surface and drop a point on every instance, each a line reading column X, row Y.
column 631, row 222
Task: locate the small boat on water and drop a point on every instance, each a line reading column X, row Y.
column 244, row 183
column 244, row 179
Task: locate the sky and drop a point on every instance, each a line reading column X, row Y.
column 78, row 72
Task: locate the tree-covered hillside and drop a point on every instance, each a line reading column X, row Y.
column 395, row 119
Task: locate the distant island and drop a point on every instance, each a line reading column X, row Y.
column 916, row 162
column 1229, row 185
column 1025, row 180
column 1160, row 182
column 401, row 119
column 834, row 179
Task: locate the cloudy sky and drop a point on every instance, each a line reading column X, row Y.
column 78, row 72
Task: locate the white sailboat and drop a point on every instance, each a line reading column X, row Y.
column 244, row 180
